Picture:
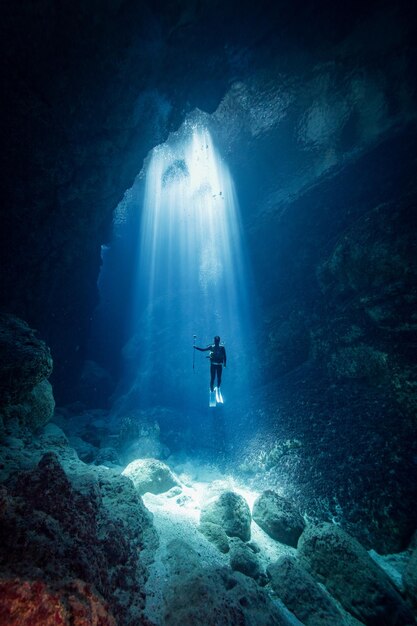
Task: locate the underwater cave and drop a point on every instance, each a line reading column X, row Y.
column 208, row 313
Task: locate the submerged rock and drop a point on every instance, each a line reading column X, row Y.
column 88, row 524
column 231, row 512
column 208, row 595
column 302, row 594
column 243, row 559
column 25, row 364
column 215, row 534
column 25, row 360
column 278, row 517
column 150, row 475
column 351, row 576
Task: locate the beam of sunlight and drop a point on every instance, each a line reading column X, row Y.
column 191, row 273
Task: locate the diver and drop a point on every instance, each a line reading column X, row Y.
column 217, row 360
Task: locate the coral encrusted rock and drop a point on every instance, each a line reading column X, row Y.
column 33, row 603
column 231, row 512
column 302, row 594
column 150, row 475
column 278, row 517
column 86, row 524
column 343, row 565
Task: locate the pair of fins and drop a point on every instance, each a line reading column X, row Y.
column 215, row 397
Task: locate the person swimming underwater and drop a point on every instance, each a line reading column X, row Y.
column 217, row 360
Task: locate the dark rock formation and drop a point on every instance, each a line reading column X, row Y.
column 25, row 364
column 231, row 512
column 90, row 526
column 351, row 576
column 302, row 594
column 25, row 360
column 278, row 517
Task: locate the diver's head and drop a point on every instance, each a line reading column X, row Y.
column 217, row 340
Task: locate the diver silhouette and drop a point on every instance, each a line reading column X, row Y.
column 217, row 360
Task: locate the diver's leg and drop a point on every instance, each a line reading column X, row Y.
column 212, row 376
column 219, row 375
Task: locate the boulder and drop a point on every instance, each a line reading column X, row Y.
column 343, row 565
column 215, row 534
column 278, row 517
column 410, row 578
column 150, row 475
column 25, row 360
column 208, row 595
column 243, row 559
column 231, row 512
column 34, row 410
column 302, row 594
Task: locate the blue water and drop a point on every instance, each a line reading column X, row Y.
column 179, row 233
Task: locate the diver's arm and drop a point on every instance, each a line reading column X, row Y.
column 202, row 349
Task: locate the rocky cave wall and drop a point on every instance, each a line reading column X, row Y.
column 315, row 113
column 89, row 89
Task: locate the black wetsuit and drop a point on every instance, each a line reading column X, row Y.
column 217, row 360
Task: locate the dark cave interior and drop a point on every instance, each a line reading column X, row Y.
column 313, row 107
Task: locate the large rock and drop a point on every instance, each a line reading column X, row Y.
column 215, row 534
column 302, row 594
column 35, row 409
column 243, row 559
column 88, row 524
column 278, row 517
column 231, row 512
column 203, row 595
column 25, row 360
column 351, row 576
column 150, row 475
column 410, row 578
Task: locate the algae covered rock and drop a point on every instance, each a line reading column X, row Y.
column 243, row 559
column 150, row 475
column 278, row 517
column 215, row 534
column 231, row 512
column 302, row 594
column 352, row 577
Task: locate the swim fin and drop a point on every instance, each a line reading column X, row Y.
column 212, row 398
